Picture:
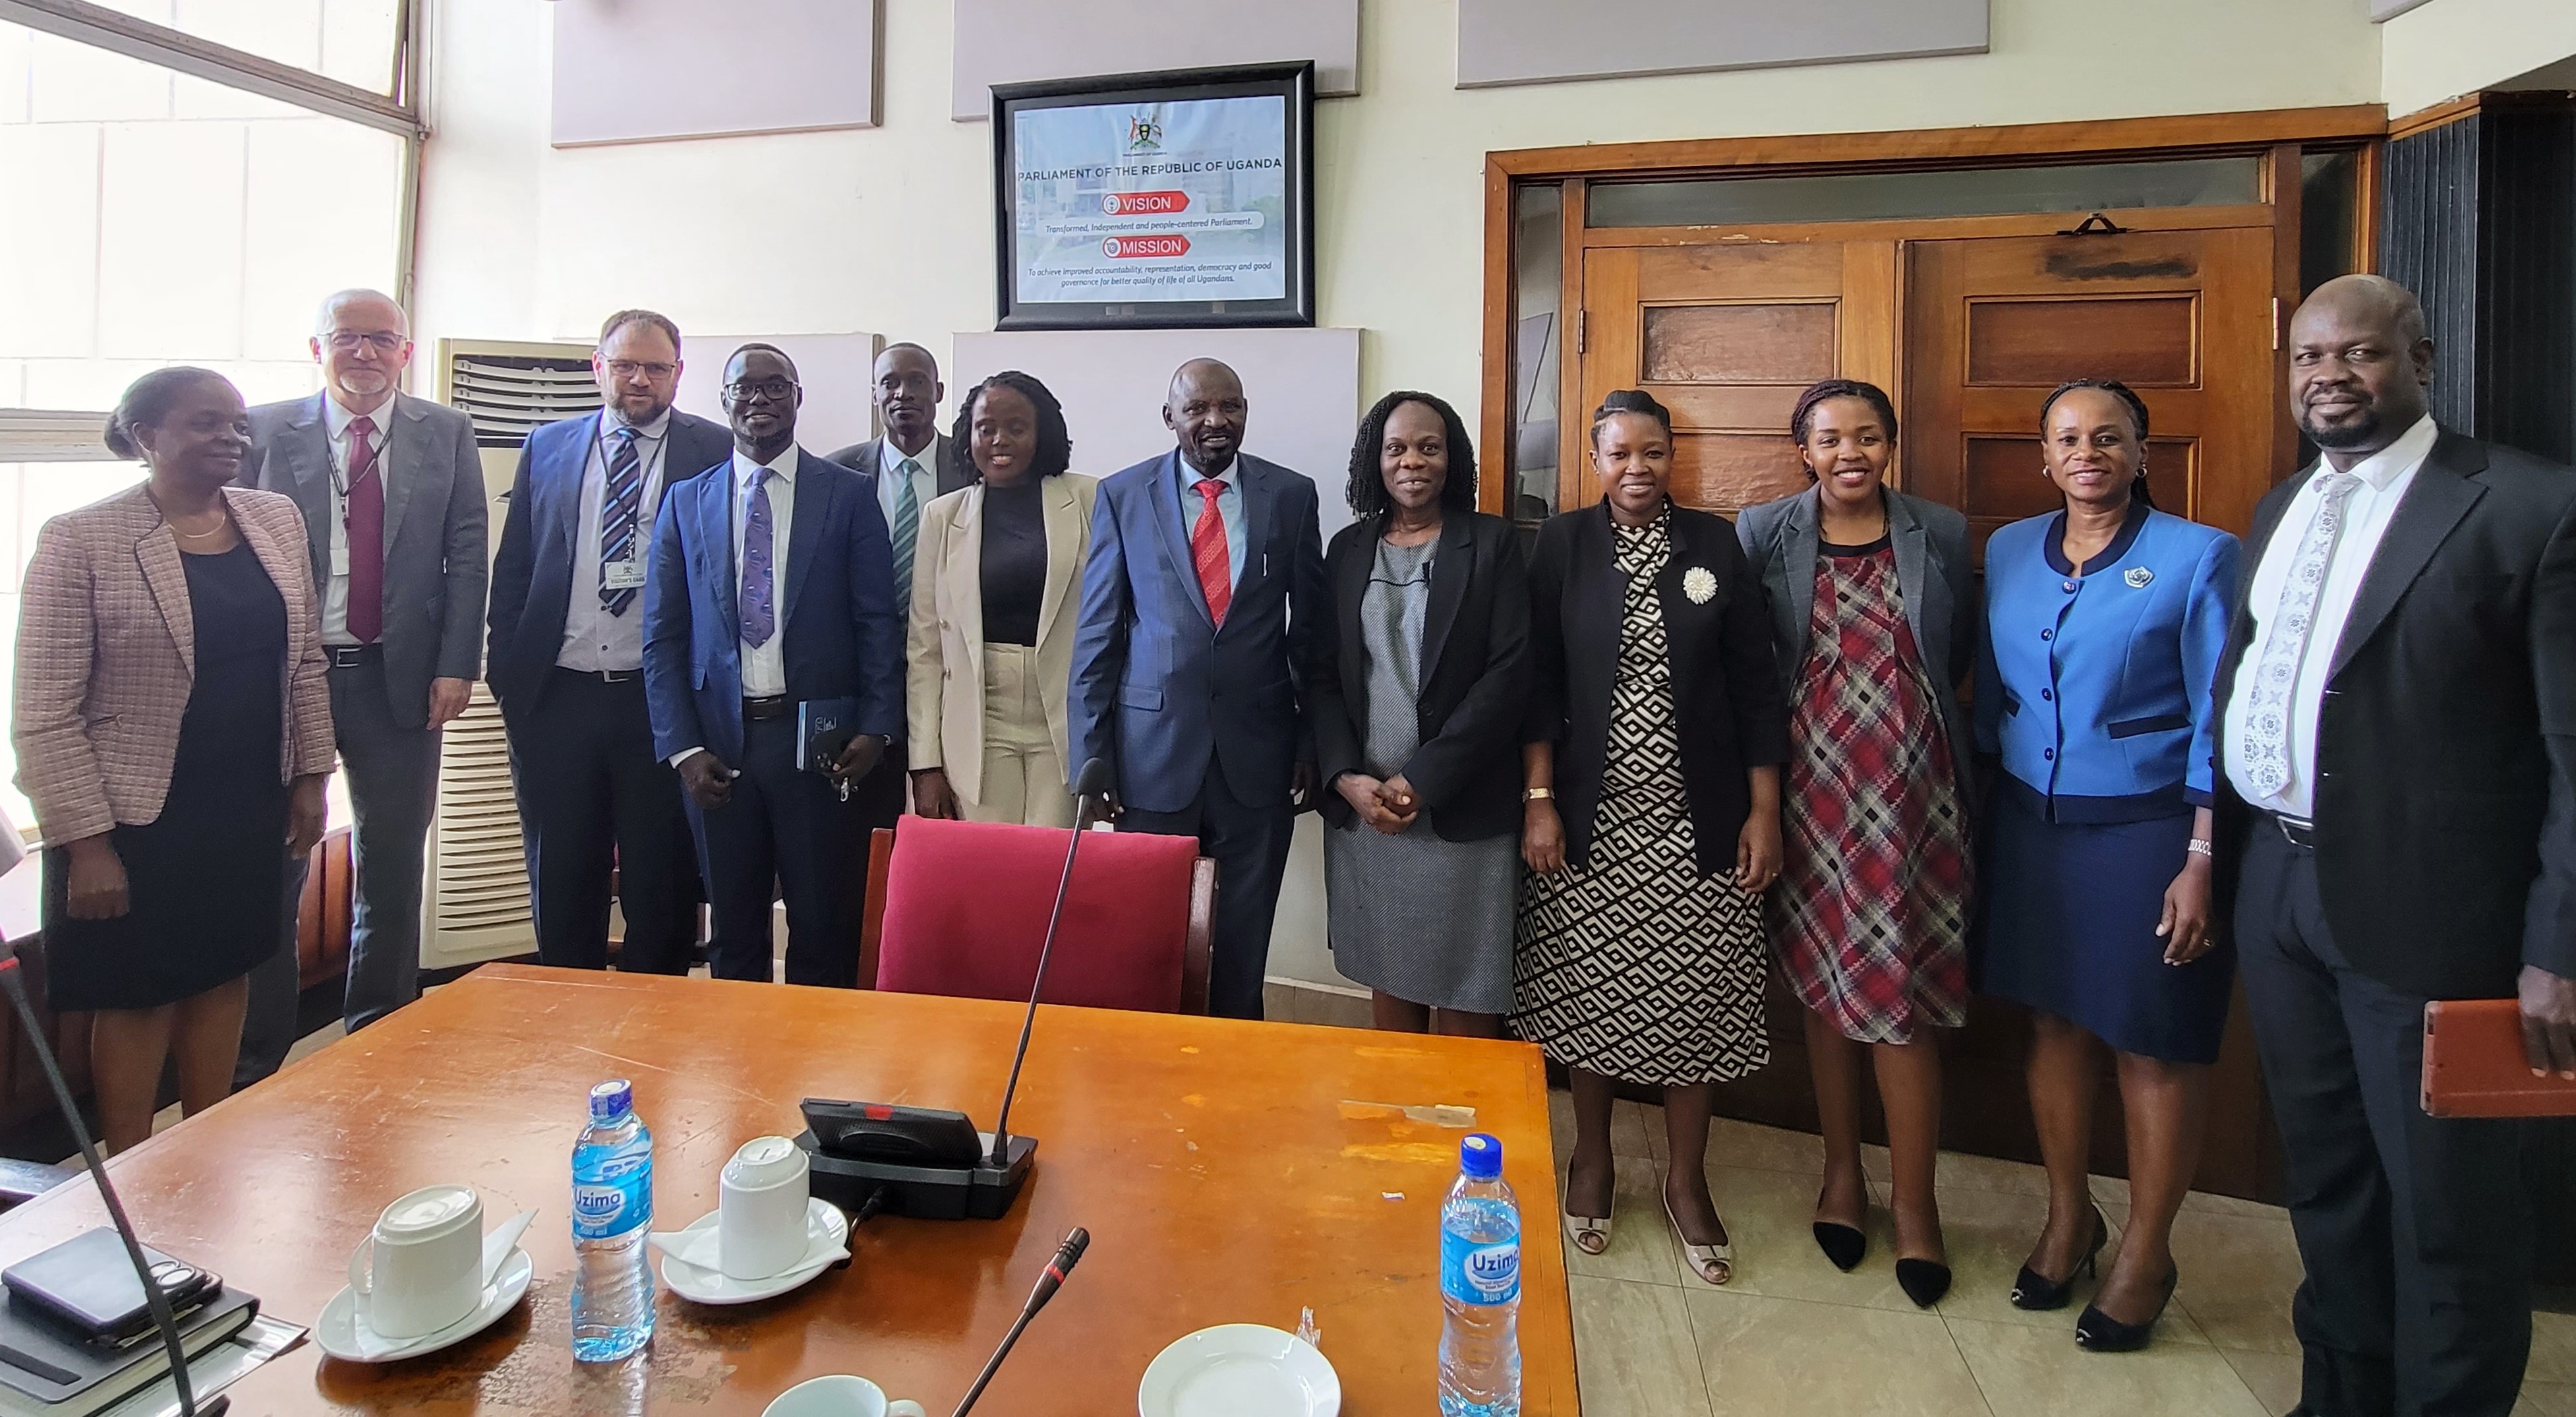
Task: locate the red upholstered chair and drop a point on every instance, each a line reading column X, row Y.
column 961, row 908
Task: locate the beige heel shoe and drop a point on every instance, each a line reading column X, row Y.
column 1589, row 1233
column 1712, row 1265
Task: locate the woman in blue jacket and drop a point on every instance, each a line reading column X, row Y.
column 2105, row 623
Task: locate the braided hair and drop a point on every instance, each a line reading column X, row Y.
column 1638, row 401
column 2137, row 421
column 147, row 401
column 1802, row 418
column 1055, row 441
column 1367, row 489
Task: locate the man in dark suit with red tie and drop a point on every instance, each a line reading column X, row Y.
column 567, row 659
column 1196, row 650
column 2396, row 824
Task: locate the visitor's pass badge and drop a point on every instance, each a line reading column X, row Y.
column 627, row 574
column 339, row 562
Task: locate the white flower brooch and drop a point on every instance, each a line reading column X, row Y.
column 1699, row 585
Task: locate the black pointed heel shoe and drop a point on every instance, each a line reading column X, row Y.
column 2033, row 1292
column 1842, row 1244
column 1924, row 1281
column 2098, row 1332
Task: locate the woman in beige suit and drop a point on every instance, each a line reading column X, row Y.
column 994, row 593
column 173, row 730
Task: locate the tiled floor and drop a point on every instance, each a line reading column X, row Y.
column 1793, row 1337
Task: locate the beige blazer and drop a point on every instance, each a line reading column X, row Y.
column 107, row 656
column 946, row 684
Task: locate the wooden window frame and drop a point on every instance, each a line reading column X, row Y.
column 2278, row 136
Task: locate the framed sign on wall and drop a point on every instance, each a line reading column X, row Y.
column 1154, row 201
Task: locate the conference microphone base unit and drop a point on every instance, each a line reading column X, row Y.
column 940, row 1191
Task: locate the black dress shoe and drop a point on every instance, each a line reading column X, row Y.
column 1842, row 1244
column 2098, row 1332
column 1924, row 1281
column 2038, row 1294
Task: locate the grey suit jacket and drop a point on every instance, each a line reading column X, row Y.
column 949, row 465
column 436, row 569
column 1931, row 545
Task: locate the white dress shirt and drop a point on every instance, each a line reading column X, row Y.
column 335, row 423
column 2385, row 476
column 1229, row 509
column 925, row 477
column 595, row 641
column 764, row 667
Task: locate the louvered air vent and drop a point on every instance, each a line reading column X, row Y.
column 477, row 895
column 509, row 390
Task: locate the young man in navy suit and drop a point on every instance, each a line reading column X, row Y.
column 1202, row 606
column 567, row 659
column 771, row 585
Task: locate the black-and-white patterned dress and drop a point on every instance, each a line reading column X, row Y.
column 1635, row 966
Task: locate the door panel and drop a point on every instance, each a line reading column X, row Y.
column 1726, row 336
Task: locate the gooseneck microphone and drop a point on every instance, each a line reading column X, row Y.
column 153, row 1298
column 1090, row 792
column 1051, row 1279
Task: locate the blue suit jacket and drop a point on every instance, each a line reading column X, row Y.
column 532, row 571
column 837, row 609
column 2097, row 689
column 1158, row 690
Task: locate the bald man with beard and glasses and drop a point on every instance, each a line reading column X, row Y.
column 1203, row 612
column 391, row 488
column 2396, row 824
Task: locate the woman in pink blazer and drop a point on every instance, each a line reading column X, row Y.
column 173, row 729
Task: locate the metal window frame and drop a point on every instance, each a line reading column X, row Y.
column 38, row 432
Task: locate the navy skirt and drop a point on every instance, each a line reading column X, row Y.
column 2067, row 926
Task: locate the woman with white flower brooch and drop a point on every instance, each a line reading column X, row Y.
column 1875, row 627
column 2105, row 622
column 1651, row 774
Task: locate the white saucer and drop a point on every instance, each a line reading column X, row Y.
column 343, row 1336
column 1240, row 1370
column 827, row 1243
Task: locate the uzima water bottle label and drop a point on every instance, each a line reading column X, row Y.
column 1480, row 1274
column 612, row 1205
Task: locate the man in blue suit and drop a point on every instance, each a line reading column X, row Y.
column 567, row 659
column 771, row 586
column 1202, row 605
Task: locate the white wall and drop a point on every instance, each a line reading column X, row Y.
column 2445, row 48
column 892, row 230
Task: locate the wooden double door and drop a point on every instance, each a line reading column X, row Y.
column 1967, row 333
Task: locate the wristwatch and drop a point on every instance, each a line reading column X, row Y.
column 1537, row 794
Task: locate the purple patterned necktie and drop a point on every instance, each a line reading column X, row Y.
column 759, row 617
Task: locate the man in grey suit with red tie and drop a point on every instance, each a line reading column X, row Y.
column 567, row 659
column 1198, row 642
column 391, row 488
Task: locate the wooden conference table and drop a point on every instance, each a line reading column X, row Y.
column 1228, row 1172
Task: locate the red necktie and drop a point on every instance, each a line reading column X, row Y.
column 1207, row 550
column 364, row 521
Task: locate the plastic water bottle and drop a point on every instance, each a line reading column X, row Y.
column 612, row 1207
column 1480, row 1287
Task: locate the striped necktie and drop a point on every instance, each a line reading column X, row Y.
column 621, row 503
column 906, row 530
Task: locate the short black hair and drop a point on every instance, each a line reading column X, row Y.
column 147, row 401
column 783, row 357
column 1055, row 441
column 1621, row 401
column 1367, row 490
column 2137, row 420
column 1803, row 417
column 608, row 328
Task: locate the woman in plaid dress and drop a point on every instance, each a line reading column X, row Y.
column 1870, row 616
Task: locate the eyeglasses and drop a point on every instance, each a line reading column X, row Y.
column 347, row 341
column 772, row 390
column 629, row 368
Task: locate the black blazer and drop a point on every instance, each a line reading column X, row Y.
column 1475, row 642
column 2446, row 827
column 1726, row 687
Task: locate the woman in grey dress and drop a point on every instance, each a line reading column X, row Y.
column 1417, row 727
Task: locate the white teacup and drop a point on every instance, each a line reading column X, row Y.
column 839, row 1395
column 421, row 1268
column 760, row 1210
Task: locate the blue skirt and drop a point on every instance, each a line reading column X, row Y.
column 2067, row 926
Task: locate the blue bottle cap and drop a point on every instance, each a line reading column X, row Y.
column 1480, row 1156
column 612, row 1098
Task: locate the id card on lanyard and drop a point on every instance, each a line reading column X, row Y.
column 627, row 571
column 340, row 485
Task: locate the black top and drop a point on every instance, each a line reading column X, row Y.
column 1475, row 676
column 1730, row 711
column 1836, row 548
column 1015, row 562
